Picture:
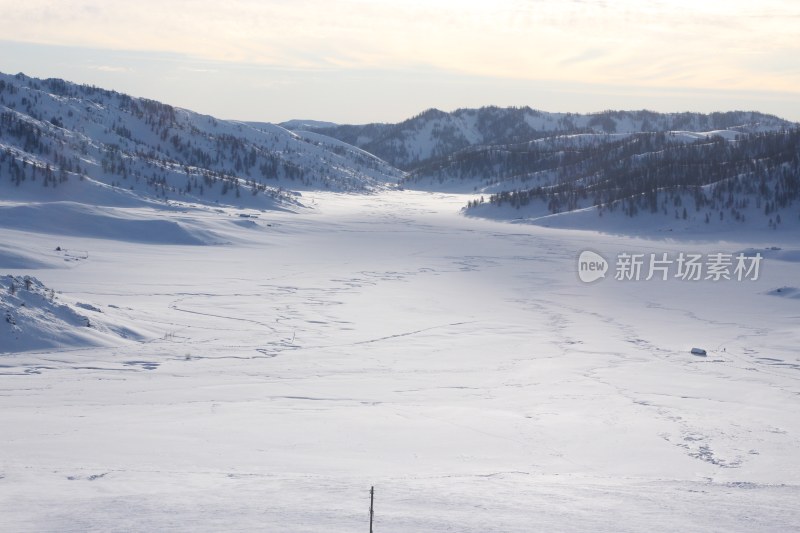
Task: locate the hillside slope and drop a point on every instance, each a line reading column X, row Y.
column 34, row 317
column 732, row 182
column 435, row 135
column 63, row 141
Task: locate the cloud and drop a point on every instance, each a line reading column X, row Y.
column 587, row 55
column 199, row 70
column 675, row 43
column 109, row 68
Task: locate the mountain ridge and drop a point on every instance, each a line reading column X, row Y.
column 435, row 134
column 61, row 141
column 91, row 142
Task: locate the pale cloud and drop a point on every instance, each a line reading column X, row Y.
column 676, row 43
column 109, row 68
column 198, row 70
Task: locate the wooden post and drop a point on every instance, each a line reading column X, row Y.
column 371, row 508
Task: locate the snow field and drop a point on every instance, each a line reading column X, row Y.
column 457, row 364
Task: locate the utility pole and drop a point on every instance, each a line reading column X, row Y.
column 371, row 508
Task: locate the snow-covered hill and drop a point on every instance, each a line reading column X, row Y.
column 300, row 124
column 61, row 141
column 434, row 134
column 709, row 183
column 33, row 317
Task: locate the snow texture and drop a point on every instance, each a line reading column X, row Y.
column 265, row 382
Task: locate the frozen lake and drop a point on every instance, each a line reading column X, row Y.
column 458, row 365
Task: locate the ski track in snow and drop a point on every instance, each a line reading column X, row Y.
column 456, row 364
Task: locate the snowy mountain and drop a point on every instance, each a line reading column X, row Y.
column 62, row 141
column 435, row 135
column 300, row 124
column 719, row 178
column 726, row 167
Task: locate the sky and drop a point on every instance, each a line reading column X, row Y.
column 357, row 61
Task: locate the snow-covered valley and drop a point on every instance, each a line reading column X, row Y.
column 261, row 372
